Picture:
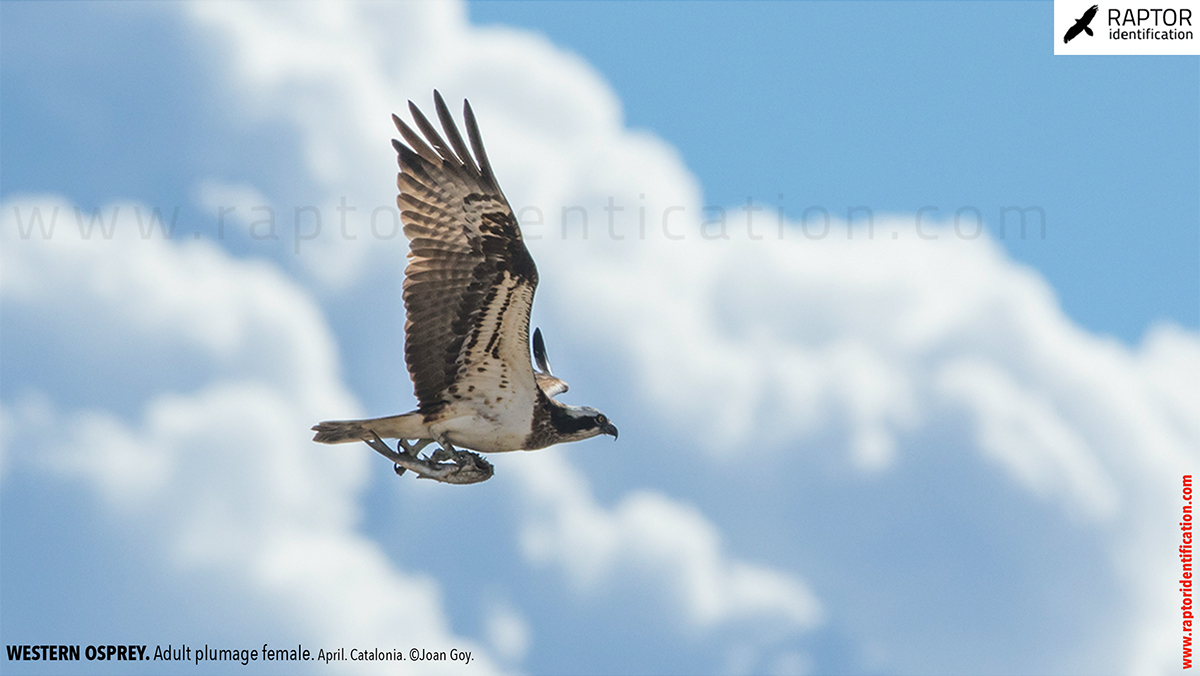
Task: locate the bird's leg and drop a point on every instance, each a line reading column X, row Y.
column 446, row 451
column 468, row 468
column 410, row 449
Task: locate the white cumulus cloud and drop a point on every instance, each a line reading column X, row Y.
column 649, row 532
column 222, row 478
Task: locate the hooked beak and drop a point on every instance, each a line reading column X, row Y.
column 610, row 429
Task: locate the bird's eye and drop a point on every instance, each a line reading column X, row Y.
column 601, row 419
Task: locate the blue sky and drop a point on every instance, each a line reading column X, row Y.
column 836, row 455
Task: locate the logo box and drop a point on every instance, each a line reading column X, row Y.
column 1127, row 27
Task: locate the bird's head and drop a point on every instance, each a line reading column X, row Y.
column 581, row 422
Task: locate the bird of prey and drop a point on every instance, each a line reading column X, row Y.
column 1081, row 25
column 468, row 291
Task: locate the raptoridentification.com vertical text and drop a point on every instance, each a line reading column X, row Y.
column 1185, row 579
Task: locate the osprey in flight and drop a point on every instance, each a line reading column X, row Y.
column 468, row 290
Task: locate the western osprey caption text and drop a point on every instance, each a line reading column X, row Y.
column 200, row 655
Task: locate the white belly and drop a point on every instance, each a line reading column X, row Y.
column 493, row 429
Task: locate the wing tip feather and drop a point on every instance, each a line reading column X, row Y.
column 485, row 166
column 539, row 352
column 450, row 127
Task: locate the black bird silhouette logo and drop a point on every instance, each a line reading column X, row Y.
column 1081, row 26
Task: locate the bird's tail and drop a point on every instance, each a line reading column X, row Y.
column 406, row 426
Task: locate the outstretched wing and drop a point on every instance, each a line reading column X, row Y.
column 469, row 285
column 551, row 385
